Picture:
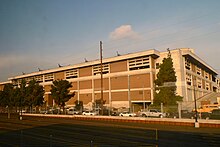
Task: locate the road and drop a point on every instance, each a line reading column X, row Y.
column 48, row 132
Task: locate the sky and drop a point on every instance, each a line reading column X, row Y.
column 44, row 33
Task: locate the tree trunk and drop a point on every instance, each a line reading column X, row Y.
column 9, row 115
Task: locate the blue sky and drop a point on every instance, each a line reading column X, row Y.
column 43, row 33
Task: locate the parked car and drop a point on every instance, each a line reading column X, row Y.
column 215, row 114
column 127, row 114
column 89, row 113
column 187, row 114
column 73, row 112
column 152, row 113
column 54, row 111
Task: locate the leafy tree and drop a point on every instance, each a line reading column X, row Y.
column 60, row 93
column 7, row 97
column 22, row 94
column 166, row 94
column 98, row 105
column 78, row 105
column 17, row 95
column 35, row 93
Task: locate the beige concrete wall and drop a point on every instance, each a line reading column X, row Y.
column 153, row 63
column 59, row 75
column 140, row 81
column 85, row 71
column 49, row 99
column 47, row 88
column 97, row 84
column 119, row 82
column 118, row 66
column 85, row 84
column 141, row 95
column 86, row 98
column 120, row 96
column 75, row 86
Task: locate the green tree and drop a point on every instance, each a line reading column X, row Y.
column 60, row 92
column 34, row 95
column 17, row 95
column 97, row 105
column 22, row 95
column 7, row 97
column 79, row 105
column 165, row 88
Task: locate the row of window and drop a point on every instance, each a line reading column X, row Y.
column 134, row 64
column 198, row 82
column 198, row 70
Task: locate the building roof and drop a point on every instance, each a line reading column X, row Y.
column 198, row 61
column 154, row 53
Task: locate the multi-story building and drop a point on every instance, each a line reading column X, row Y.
column 128, row 80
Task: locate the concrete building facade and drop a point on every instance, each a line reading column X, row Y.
column 128, row 80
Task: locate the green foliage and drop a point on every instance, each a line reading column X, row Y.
column 78, row 105
column 7, row 95
column 166, row 94
column 22, row 94
column 60, row 93
column 34, row 95
column 98, row 103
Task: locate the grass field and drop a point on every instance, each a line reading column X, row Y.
column 42, row 131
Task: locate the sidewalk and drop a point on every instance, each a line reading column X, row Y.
column 166, row 121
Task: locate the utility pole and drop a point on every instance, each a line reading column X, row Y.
column 196, row 114
column 101, row 78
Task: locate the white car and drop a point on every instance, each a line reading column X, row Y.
column 89, row 113
column 127, row 114
column 152, row 113
column 73, row 112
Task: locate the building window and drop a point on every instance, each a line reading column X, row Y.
column 199, row 83
column 28, row 79
column 97, row 69
column 206, row 75
column 157, row 65
column 207, row 86
column 188, row 79
column 139, row 63
column 198, row 70
column 187, row 64
column 73, row 73
column 48, row 77
column 19, row 81
column 39, row 78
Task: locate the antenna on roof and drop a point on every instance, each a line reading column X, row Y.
column 169, row 54
column 85, row 60
column 60, row 65
column 117, row 53
column 39, row 69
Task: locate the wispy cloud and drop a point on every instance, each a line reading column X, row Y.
column 124, row 32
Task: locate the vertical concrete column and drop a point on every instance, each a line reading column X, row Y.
column 129, row 93
column 78, row 90
column 109, row 94
column 93, row 91
column 152, row 86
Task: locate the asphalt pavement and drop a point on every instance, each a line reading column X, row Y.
column 42, row 131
